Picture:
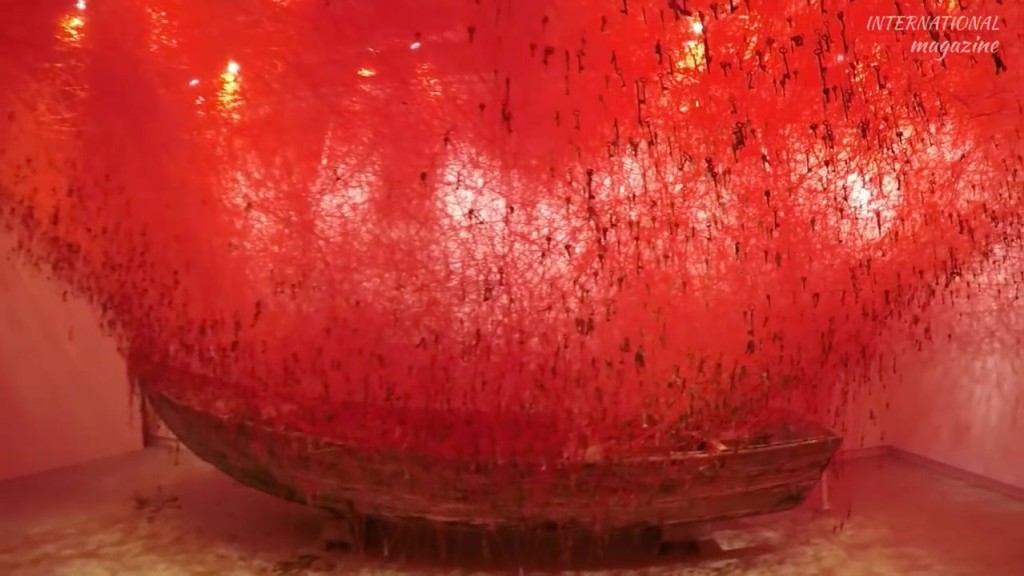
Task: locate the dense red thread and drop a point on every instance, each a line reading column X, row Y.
column 595, row 212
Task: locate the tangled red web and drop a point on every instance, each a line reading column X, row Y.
column 668, row 211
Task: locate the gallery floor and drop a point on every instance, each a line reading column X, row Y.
column 157, row 513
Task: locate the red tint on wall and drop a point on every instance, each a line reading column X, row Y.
column 64, row 394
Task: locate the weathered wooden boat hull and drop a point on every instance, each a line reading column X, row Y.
column 680, row 488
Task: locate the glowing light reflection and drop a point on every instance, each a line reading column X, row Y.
column 162, row 32
column 430, row 81
column 72, row 29
column 229, row 97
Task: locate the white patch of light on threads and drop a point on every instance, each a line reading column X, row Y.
column 873, row 203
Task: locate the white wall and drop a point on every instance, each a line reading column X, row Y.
column 961, row 401
column 64, row 395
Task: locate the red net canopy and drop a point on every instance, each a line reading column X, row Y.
column 675, row 212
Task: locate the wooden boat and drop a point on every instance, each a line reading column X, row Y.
column 724, row 479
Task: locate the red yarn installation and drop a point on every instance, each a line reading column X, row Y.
column 603, row 212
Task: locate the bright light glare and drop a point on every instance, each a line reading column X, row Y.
column 366, row 72
column 697, row 27
column 80, row 4
column 193, row 82
column 72, row 28
column 233, row 68
column 415, row 46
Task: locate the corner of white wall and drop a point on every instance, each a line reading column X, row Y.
column 64, row 393
column 960, row 401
